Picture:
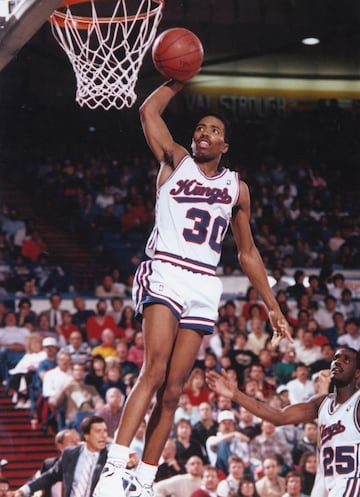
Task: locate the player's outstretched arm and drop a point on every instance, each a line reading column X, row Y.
column 222, row 384
column 252, row 264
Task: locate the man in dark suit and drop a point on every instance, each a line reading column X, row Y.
column 71, row 465
column 64, row 438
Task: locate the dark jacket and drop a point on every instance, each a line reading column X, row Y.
column 64, row 469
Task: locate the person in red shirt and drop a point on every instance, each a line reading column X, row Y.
column 33, row 246
column 66, row 327
column 210, row 480
column 196, row 388
column 95, row 325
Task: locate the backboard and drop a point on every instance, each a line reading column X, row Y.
column 19, row 22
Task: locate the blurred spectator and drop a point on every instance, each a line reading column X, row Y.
column 5, row 271
column 66, row 326
column 351, row 337
column 117, row 305
column 196, row 387
column 122, row 353
column 257, row 373
column 53, row 381
column 247, row 487
column 128, row 323
column 307, row 468
column 113, row 378
column 44, row 329
column 314, row 289
column 136, row 351
column 252, row 297
column 182, row 485
column 78, row 349
column 268, row 365
column 227, row 432
column 241, row 357
column 230, row 486
column 54, row 313
column 286, row 367
column 81, row 315
column 118, row 282
column 185, row 445
column 257, row 336
column 50, row 347
column 33, row 246
column 96, row 373
column 298, row 288
column 221, row 341
column 21, row 375
column 14, row 229
column 96, row 324
column 293, row 485
column 280, row 283
column 28, row 289
column 271, row 483
column 337, row 286
column 324, row 315
column 168, row 466
column 301, row 387
column 210, row 481
column 77, row 399
column 108, row 288
column 25, row 314
column 305, row 348
column 111, row 410
column 308, row 442
column 49, row 277
column 20, row 272
column 337, row 329
column 107, row 345
column 12, row 343
column 206, row 426
column 269, row 444
column 185, row 410
column 347, row 306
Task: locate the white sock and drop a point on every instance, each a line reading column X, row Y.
column 145, row 473
column 118, row 454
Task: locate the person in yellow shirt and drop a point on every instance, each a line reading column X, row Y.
column 107, row 346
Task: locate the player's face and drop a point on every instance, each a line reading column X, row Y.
column 343, row 367
column 209, row 139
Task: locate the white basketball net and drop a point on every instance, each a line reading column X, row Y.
column 107, row 53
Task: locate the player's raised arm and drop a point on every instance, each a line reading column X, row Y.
column 222, row 384
column 155, row 129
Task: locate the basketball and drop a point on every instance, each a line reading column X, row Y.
column 177, row 54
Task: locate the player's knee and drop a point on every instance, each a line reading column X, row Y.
column 171, row 396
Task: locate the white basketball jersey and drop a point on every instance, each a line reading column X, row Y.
column 192, row 216
column 340, row 441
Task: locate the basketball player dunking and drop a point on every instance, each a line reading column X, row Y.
column 338, row 416
column 176, row 291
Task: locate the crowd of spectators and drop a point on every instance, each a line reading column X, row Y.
column 82, row 362
column 64, row 364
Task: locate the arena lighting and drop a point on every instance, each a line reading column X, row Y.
column 310, row 40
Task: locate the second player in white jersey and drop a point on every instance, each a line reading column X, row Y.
column 340, row 460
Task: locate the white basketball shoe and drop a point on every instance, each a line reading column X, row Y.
column 135, row 489
column 113, row 481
